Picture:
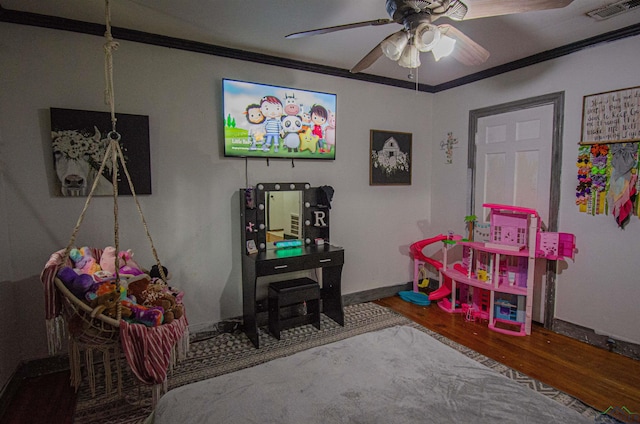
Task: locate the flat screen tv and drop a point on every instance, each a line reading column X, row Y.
column 268, row 121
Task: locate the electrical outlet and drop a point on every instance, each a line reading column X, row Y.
column 611, row 344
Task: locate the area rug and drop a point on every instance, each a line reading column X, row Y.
column 395, row 375
column 228, row 352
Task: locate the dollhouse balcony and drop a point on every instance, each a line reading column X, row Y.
column 495, row 248
column 460, row 277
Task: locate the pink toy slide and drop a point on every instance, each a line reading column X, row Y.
column 445, row 289
column 416, row 251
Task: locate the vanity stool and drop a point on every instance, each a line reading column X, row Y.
column 288, row 293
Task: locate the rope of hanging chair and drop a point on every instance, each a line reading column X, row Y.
column 113, row 153
column 109, row 47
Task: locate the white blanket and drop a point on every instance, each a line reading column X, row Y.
column 396, row 375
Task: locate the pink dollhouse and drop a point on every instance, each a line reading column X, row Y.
column 494, row 280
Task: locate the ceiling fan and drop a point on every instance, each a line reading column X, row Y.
column 419, row 34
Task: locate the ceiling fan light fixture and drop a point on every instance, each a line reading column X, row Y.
column 393, row 46
column 443, row 48
column 427, row 36
column 410, row 57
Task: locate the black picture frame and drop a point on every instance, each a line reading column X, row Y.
column 390, row 158
column 79, row 140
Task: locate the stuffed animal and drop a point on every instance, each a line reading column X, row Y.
column 107, row 304
column 84, row 260
column 78, row 284
column 130, row 266
column 172, row 310
column 126, row 264
column 137, row 286
column 127, row 257
column 103, row 276
column 108, row 260
column 151, row 317
column 155, row 272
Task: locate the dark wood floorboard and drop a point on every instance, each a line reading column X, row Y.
column 46, row 399
column 596, row 376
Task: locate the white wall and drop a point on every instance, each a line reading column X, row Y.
column 601, row 289
column 193, row 211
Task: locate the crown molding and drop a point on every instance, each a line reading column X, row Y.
column 53, row 22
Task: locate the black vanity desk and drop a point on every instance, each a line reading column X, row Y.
column 272, row 262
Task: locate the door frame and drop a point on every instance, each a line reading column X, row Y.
column 557, row 100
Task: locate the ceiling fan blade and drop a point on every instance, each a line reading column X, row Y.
column 369, row 59
column 486, row 8
column 375, row 22
column 466, row 50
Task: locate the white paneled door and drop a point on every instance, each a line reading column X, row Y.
column 513, row 167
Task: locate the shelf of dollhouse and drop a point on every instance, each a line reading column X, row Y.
column 461, row 277
column 509, row 289
column 494, row 248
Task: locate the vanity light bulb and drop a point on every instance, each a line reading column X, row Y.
column 307, row 222
column 307, row 186
column 261, row 206
column 262, row 226
column 260, row 187
column 277, row 186
column 262, row 246
column 308, row 241
column 292, row 186
column 307, row 204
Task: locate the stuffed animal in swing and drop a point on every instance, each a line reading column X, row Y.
column 108, row 260
column 78, row 284
column 172, row 310
column 144, row 293
column 84, row 260
column 155, row 272
column 137, row 286
column 130, row 266
column 107, row 304
column 151, row 317
column 126, row 264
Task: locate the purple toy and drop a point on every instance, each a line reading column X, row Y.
column 78, row 284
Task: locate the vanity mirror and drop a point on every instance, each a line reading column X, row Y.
column 283, row 215
column 279, row 212
column 283, row 211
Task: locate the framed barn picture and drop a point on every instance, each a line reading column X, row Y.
column 390, row 158
column 79, row 143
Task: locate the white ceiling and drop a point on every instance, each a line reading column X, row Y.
column 261, row 25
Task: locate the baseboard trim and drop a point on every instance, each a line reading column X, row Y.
column 589, row 336
column 375, row 294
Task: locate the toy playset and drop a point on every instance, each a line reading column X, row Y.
column 494, row 280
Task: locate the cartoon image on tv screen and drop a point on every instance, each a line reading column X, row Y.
column 270, row 121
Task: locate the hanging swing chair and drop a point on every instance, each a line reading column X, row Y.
column 150, row 351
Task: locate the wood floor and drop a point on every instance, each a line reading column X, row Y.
column 46, row 399
column 596, row 376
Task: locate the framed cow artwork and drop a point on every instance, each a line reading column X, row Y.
column 79, row 143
